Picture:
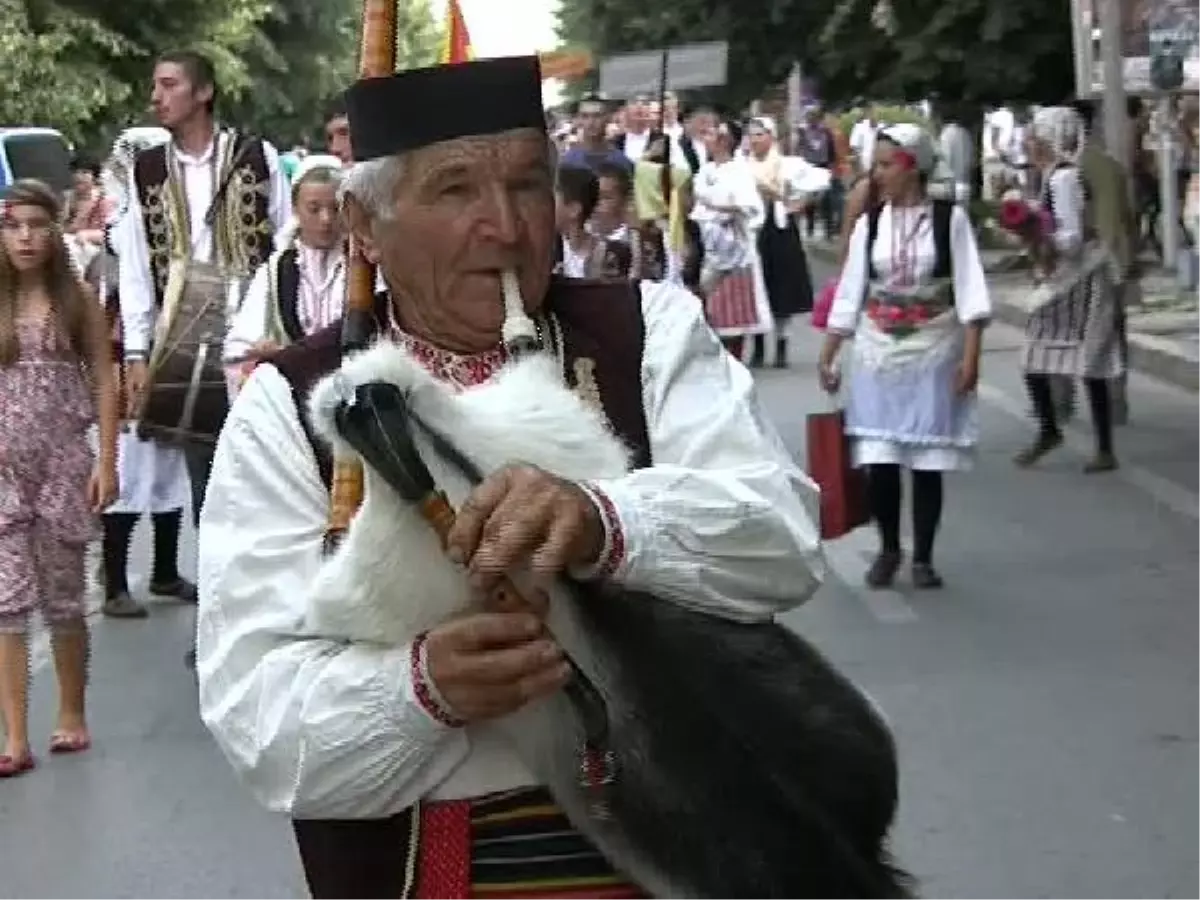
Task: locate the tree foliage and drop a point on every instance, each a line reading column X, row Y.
column 84, row 66
column 967, row 51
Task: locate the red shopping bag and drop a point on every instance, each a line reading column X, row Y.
column 823, row 304
column 843, row 487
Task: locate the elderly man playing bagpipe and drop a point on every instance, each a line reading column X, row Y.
column 541, row 660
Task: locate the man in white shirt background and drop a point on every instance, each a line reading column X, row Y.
column 957, row 152
column 862, row 140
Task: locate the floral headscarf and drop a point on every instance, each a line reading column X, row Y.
column 1061, row 129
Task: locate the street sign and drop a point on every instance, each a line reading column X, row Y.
column 1146, row 24
column 687, row 66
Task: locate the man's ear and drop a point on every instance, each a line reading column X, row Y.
column 360, row 226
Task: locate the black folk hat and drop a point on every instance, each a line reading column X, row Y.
column 419, row 107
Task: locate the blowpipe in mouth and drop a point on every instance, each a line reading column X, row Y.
column 519, row 333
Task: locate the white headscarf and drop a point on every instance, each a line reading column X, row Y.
column 1061, row 129
column 308, row 165
column 914, row 140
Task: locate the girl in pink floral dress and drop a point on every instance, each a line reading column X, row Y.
column 56, row 378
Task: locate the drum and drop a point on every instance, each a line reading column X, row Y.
column 186, row 397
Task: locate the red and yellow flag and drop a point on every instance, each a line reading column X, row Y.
column 457, row 47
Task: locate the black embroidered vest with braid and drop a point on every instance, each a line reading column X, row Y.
column 285, row 296
column 242, row 228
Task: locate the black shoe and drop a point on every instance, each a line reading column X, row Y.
column 926, row 577
column 1101, row 462
column 122, row 606
column 781, row 354
column 758, row 355
column 883, row 570
column 1045, row 443
column 179, row 588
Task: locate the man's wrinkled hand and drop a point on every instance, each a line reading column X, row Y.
column 491, row 664
column 523, row 515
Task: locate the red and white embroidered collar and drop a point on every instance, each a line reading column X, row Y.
column 462, row 370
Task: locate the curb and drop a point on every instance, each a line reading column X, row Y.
column 1148, row 354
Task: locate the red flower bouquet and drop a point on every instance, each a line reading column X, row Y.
column 1026, row 219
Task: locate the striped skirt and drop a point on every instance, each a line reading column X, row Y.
column 730, row 305
column 1076, row 330
column 512, row 844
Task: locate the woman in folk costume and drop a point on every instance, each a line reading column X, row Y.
column 1074, row 329
column 153, row 476
column 729, row 211
column 302, row 286
column 784, row 264
column 914, row 298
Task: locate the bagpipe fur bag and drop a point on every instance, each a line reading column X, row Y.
column 744, row 764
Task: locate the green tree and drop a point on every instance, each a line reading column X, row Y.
column 972, row 51
column 969, row 52
column 84, row 66
column 419, row 35
column 54, row 76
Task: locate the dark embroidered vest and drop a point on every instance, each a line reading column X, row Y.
column 603, row 336
column 242, row 242
column 286, row 294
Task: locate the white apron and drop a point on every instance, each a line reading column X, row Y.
column 152, row 478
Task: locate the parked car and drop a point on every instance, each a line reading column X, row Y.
column 31, row 152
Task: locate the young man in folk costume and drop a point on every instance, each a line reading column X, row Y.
column 203, row 212
column 302, row 286
column 362, row 690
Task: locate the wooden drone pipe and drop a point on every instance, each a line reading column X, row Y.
column 377, row 59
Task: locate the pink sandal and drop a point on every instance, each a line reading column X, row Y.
column 11, row 767
column 69, row 743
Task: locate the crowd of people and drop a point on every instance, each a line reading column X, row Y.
column 176, row 341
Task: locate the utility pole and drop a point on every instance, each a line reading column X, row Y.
column 1116, row 121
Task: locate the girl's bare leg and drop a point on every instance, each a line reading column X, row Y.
column 14, row 690
column 71, row 647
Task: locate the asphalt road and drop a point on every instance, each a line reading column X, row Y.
column 1045, row 702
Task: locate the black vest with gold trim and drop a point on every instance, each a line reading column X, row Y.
column 242, row 228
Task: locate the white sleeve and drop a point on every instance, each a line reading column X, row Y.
column 135, row 283
column 749, row 200
column 1066, row 201
column 315, row 728
column 971, row 297
column 248, row 325
column 718, row 522
column 279, row 206
column 852, row 283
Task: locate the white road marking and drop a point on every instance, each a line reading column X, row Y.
column 1175, row 497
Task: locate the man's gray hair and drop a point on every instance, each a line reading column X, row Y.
column 373, row 183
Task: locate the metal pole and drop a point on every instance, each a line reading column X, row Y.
column 1168, row 197
column 1116, row 121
